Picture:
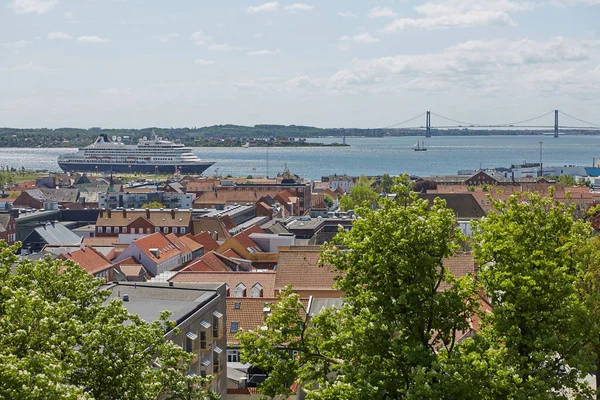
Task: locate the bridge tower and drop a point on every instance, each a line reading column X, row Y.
column 428, row 124
column 555, row 123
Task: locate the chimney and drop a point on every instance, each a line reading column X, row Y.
column 147, row 213
column 124, row 213
column 172, row 213
column 109, row 212
column 102, row 213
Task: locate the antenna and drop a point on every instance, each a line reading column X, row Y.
column 267, row 161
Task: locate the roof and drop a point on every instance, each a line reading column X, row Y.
column 232, row 254
column 211, row 261
column 89, row 259
column 464, row 205
column 5, row 220
column 244, row 239
column 131, row 267
column 212, row 224
column 234, row 194
column 101, row 241
column 179, row 243
column 206, row 240
column 459, row 265
column 157, row 218
column 274, row 226
column 61, row 195
column 249, row 315
column 231, row 279
column 57, row 233
column 298, row 266
column 158, row 241
column 190, row 243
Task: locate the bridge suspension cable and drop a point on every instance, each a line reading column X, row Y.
column 530, row 119
column 454, row 120
column 577, row 119
column 404, row 122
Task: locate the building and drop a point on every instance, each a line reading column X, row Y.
column 238, row 284
column 343, row 182
column 8, row 228
column 112, row 223
column 92, row 261
column 50, row 233
column 137, row 199
column 199, row 311
column 44, row 198
column 155, row 252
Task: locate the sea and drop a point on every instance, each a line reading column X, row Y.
column 445, row 155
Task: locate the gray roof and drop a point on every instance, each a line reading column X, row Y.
column 464, row 205
column 149, row 300
column 316, row 304
column 4, row 220
column 57, row 233
column 274, row 226
column 57, row 195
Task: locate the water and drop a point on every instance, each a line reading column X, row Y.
column 369, row 156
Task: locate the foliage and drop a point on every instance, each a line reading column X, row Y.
column 386, row 183
column 153, row 205
column 471, row 188
column 328, row 200
column 566, row 180
column 485, row 187
column 530, row 260
column 424, row 186
column 61, row 340
column 395, row 327
column 361, row 193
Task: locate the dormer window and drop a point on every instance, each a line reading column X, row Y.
column 240, row 290
column 256, row 290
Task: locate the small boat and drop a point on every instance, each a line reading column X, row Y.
column 420, row 148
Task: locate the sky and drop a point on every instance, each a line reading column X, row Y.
column 326, row 63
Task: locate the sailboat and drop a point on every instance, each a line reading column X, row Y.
column 420, row 148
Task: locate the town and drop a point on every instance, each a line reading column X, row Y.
column 235, row 243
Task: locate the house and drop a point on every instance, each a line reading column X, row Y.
column 206, row 240
column 136, row 199
column 111, row 223
column 244, row 246
column 298, row 266
column 92, row 261
column 238, row 284
column 131, row 270
column 8, row 228
column 41, row 197
column 199, row 312
column 215, row 226
column 184, row 246
column 213, row 261
column 342, row 182
column 50, row 233
column 464, row 205
column 155, row 252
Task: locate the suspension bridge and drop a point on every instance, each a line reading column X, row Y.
column 531, row 123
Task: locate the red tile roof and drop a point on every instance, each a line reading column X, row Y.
column 157, row 241
column 232, row 254
column 89, row 259
column 178, row 243
column 209, row 262
column 243, row 238
column 266, row 279
column 190, row 243
column 298, row 266
column 207, row 241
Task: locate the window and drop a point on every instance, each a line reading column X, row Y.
column 233, row 356
column 240, row 290
column 174, row 229
column 204, row 335
column 217, row 325
column 116, row 229
column 256, row 291
column 237, row 305
column 157, row 229
column 124, row 229
column 99, row 229
column 204, row 367
column 234, row 327
column 108, row 229
column 166, row 230
column 140, row 230
column 217, row 365
column 191, row 342
column 182, row 230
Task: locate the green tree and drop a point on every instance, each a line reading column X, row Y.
column 566, row 180
column 328, row 200
column 361, row 193
column 153, row 205
column 530, row 258
column 386, row 183
column 61, row 340
column 395, row 326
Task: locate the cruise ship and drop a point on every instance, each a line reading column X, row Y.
column 156, row 155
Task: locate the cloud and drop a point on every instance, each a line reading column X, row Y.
column 32, row 6
column 19, row 44
column 439, row 14
column 220, row 47
column 167, row 37
column 118, row 90
column 92, row 39
column 263, row 52
column 347, row 14
column 30, row 67
column 297, row 7
column 59, row 36
column 381, row 12
column 200, row 39
column 266, row 7
column 200, row 61
column 482, row 64
column 360, row 38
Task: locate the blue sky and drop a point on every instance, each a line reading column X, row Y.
column 328, row 63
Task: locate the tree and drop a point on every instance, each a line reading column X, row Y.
column 424, row 186
column 153, row 205
column 530, row 257
column 61, row 340
column 566, row 180
column 387, row 339
column 386, row 183
column 361, row 193
column 328, row 200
